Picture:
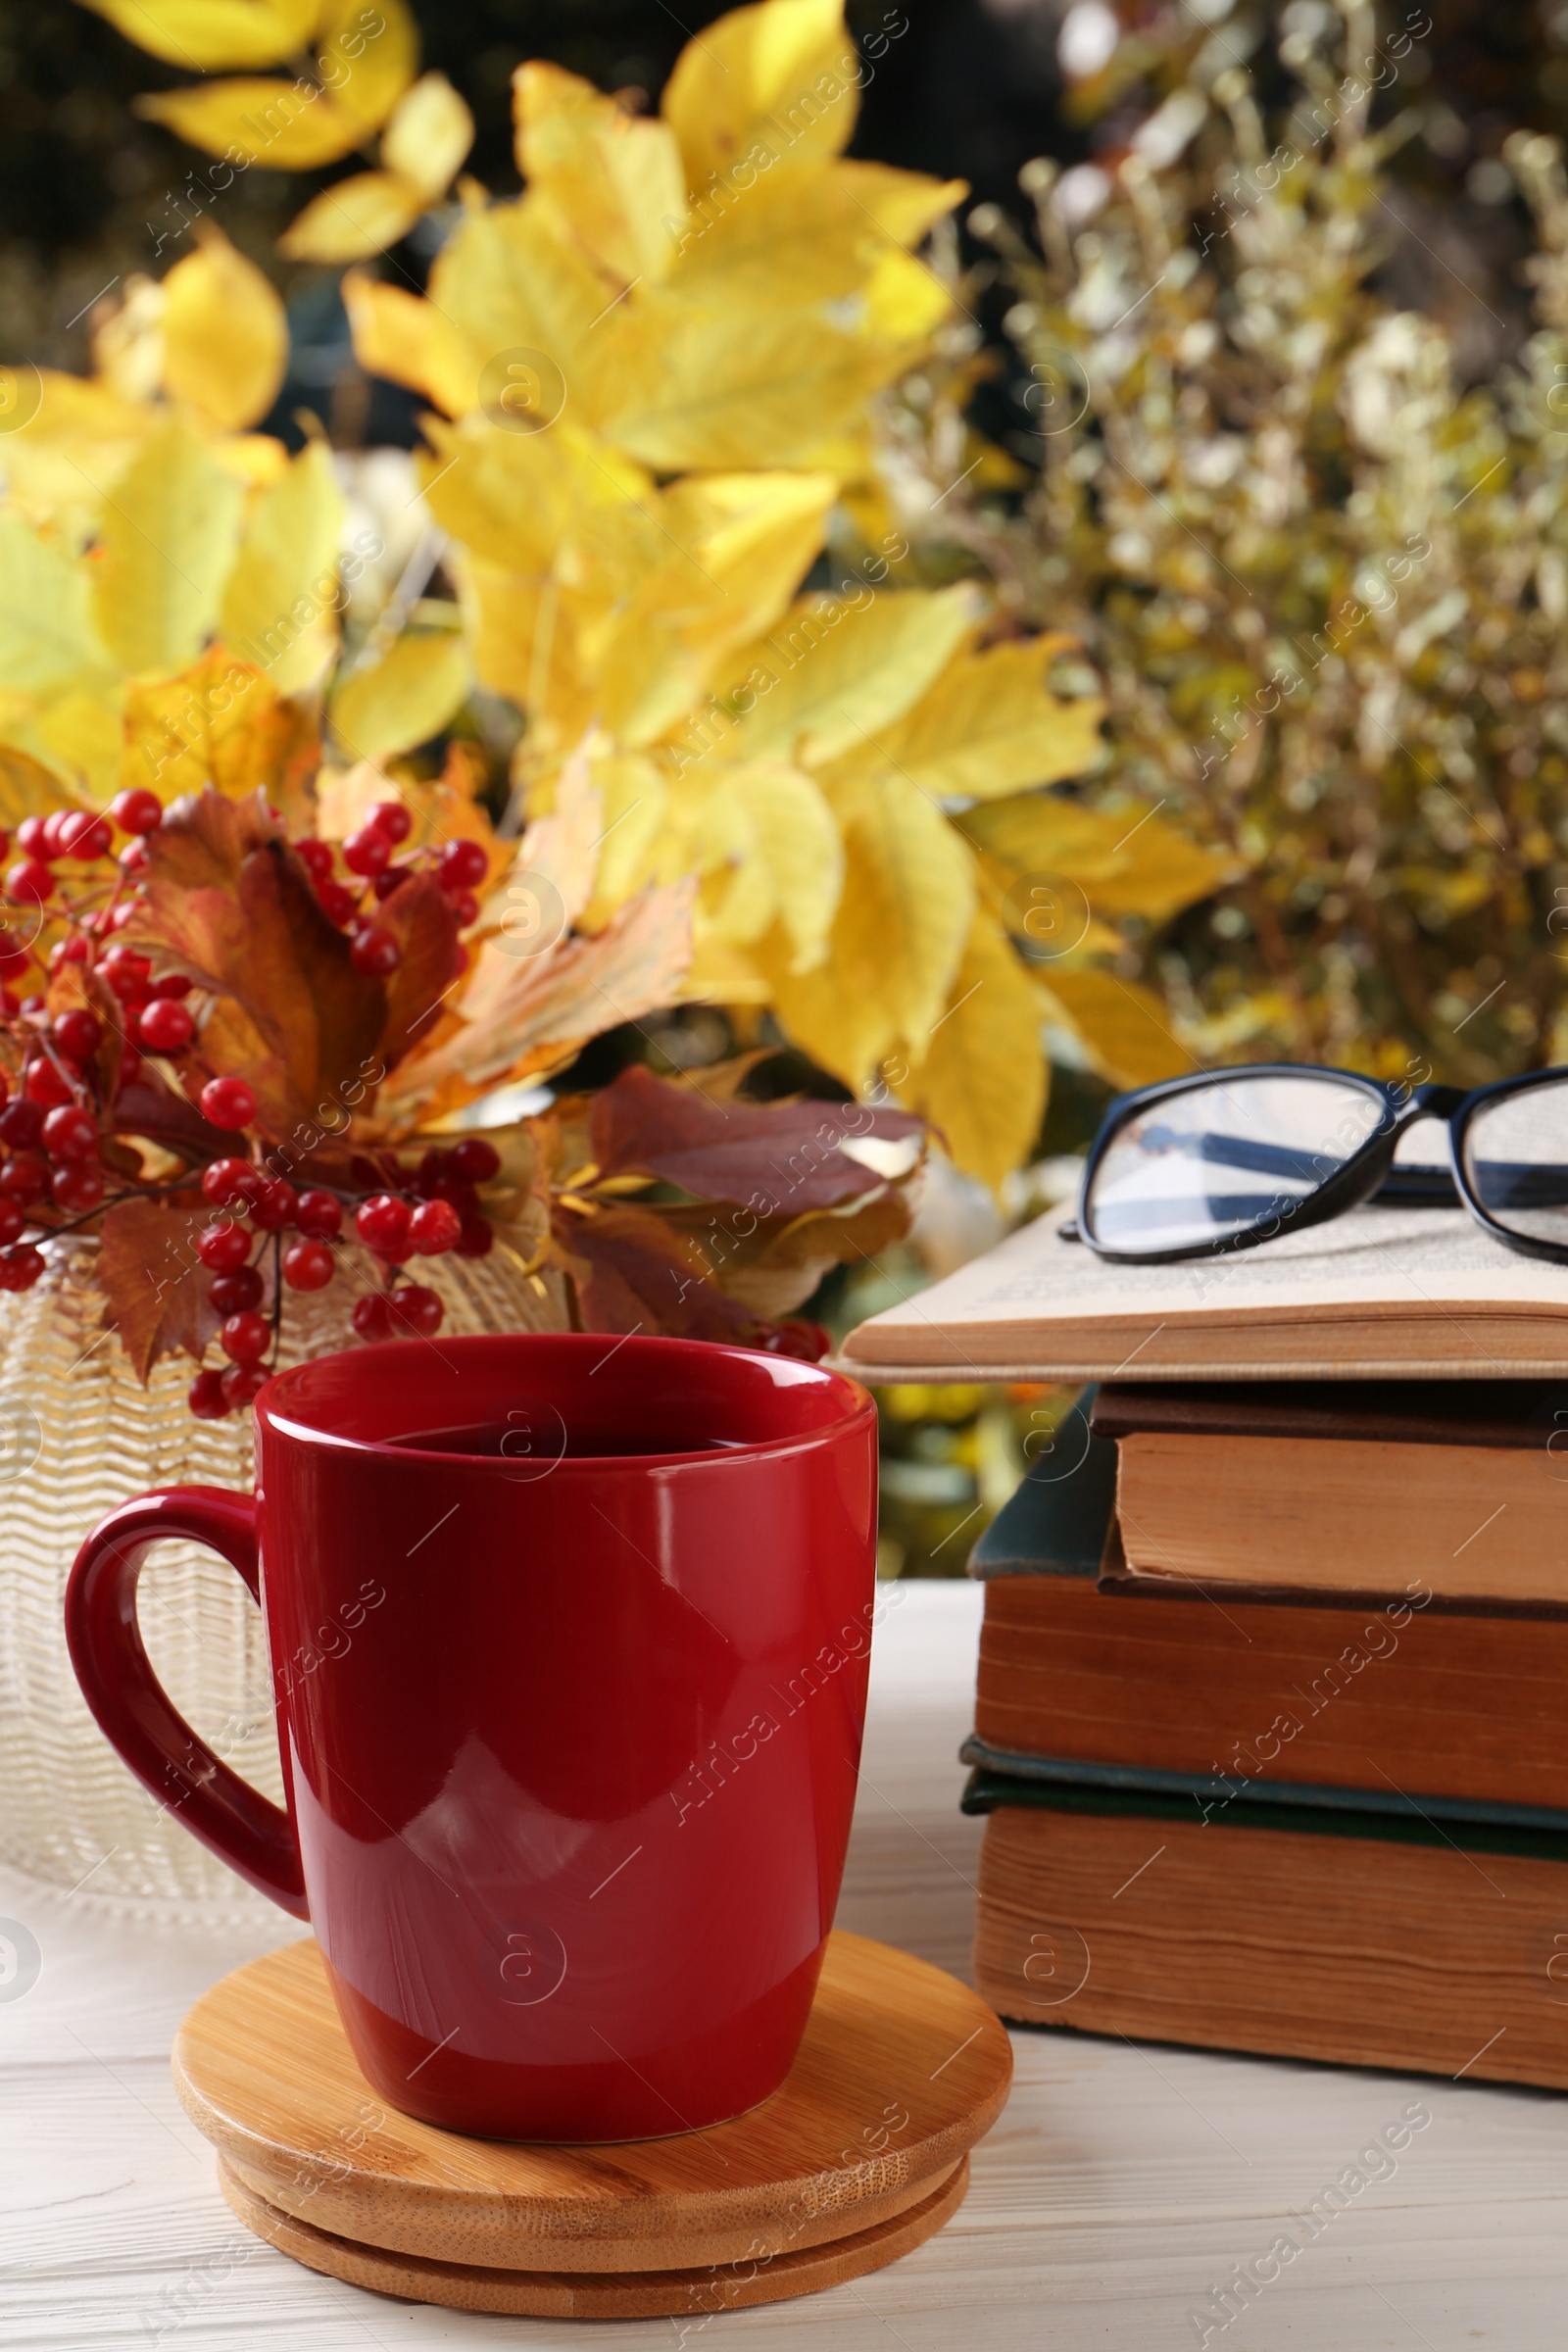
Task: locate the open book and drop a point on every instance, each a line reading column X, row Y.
column 1383, row 1293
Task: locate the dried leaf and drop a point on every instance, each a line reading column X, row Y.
column 220, row 722
column 779, row 1159
column 228, row 903
column 773, row 1264
column 153, row 1282
column 422, row 923
column 562, row 845
column 633, row 1273
column 519, row 1016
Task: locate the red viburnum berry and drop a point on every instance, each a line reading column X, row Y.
column 338, row 903
column 242, row 1383
column 25, row 1178
column 21, row 1125
column 46, row 1084
column 137, row 812
column 367, row 852
column 434, row 1227
column 19, row 1266
column 317, row 1215
column 77, row 1186
column 11, row 1221
column 162, row 1026
column 382, row 1224
column 245, row 1338
column 225, row 1181
column 465, row 907
column 416, row 1309
column 236, row 1293
column 71, row 1132
column 133, row 858
column 372, row 1316
column 309, row 1266
column 30, row 836
column 28, row 882
column 479, row 1238
column 275, row 1207
column 375, row 951
column 464, row 864
column 393, row 820
column 78, row 1033
column 223, row 1247
column 475, row 1160
column 205, row 1395
column 171, row 985
column 228, row 1103
column 82, row 835
column 316, row 856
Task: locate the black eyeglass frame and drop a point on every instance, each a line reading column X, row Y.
column 1365, row 1173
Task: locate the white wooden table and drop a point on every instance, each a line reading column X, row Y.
column 1121, row 2186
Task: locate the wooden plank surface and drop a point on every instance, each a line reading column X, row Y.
column 1121, row 2186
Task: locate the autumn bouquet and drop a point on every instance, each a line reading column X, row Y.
column 250, row 1060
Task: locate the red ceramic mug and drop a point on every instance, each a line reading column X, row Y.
column 569, row 1641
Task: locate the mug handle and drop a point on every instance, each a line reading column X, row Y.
column 135, row 1713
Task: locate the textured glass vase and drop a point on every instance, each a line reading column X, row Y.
column 78, row 1434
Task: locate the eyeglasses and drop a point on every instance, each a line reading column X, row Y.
column 1225, row 1159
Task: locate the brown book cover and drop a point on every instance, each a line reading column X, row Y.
column 1413, row 1951
column 1355, row 1491
column 1395, row 1699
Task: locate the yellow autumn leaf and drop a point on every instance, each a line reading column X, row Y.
column 836, row 671
column 1131, row 864
column 1123, row 1026
column 355, row 218
column 46, row 624
column 367, row 56
column 517, row 289
column 405, row 697
column 171, row 528
column 904, row 915
column 773, row 84
column 610, row 179
column 634, row 802
column 514, row 498
column 428, row 135
column 207, row 36
column 285, row 578
column 284, row 125
column 79, row 731
column 225, row 335
column 768, row 850
column 409, row 341
column 902, row 205
column 728, row 389
column 991, row 726
column 983, row 1081
column 220, row 722
column 26, row 788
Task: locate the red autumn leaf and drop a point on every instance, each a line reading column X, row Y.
column 227, row 901
column 779, row 1159
column 633, row 1274
column 151, row 1279
column 421, row 921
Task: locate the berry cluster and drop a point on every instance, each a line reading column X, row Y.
column 368, row 856
column 54, row 1112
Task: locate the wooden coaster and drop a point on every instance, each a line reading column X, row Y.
column 613, row 2294
column 857, row 2157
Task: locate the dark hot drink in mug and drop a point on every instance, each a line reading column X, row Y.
column 569, row 1642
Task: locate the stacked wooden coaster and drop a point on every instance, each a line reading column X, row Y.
column 858, row 2158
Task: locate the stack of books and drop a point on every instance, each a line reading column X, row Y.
column 1272, row 1721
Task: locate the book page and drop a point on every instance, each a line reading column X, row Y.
column 1387, row 1266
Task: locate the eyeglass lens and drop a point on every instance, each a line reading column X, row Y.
column 1517, row 1161
column 1203, row 1166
